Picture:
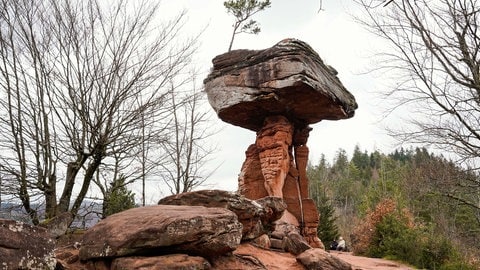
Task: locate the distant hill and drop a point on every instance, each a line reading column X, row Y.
column 88, row 215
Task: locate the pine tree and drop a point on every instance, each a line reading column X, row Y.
column 244, row 10
column 118, row 198
column 318, row 176
column 327, row 228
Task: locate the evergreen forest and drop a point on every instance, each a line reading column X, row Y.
column 410, row 205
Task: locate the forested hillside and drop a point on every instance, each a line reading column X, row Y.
column 410, row 205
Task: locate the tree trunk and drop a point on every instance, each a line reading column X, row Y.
column 87, row 179
column 51, row 198
column 235, row 27
column 25, row 198
column 72, row 170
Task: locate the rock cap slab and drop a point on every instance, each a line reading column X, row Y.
column 290, row 79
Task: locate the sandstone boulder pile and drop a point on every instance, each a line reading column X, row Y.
column 254, row 215
column 193, row 230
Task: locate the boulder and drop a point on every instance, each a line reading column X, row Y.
column 68, row 259
column 274, row 208
column 263, row 241
column 94, row 265
column 160, row 229
column 290, row 79
column 170, row 262
column 276, row 244
column 295, row 244
column 282, row 229
column 24, row 246
column 67, row 249
column 316, row 258
column 252, row 214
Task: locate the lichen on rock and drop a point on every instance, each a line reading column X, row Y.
column 25, row 246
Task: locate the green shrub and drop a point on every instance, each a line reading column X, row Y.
column 435, row 252
column 117, row 198
column 395, row 239
column 457, row 266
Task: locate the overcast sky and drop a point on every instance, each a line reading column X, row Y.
column 339, row 41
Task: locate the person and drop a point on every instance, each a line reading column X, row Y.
column 333, row 245
column 341, row 246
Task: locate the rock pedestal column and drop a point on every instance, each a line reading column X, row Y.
column 273, row 143
column 276, row 166
column 310, row 217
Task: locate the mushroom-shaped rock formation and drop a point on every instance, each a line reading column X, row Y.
column 278, row 92
column 289, row 79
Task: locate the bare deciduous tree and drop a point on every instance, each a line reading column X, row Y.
column 187, row 152
column 433, row 61
column 78, row 81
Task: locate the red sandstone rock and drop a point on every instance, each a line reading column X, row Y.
column 253, row 215
column 23, row 246
column 295, row 243
column 251, row 183
column 271, row 168
column 67, row 258
column 95, row 265
column 236, row 261
column 270, row 259
column 273, row 143
column 193, row 230
column 278, row 92
column 58, row 225
column 359, row 262
column 263, row 241
column 274, row 208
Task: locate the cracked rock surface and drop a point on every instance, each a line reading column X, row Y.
column 194, row 230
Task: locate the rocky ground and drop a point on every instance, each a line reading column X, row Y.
column 276, row 260
column 284, row 260
column 364, row 263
